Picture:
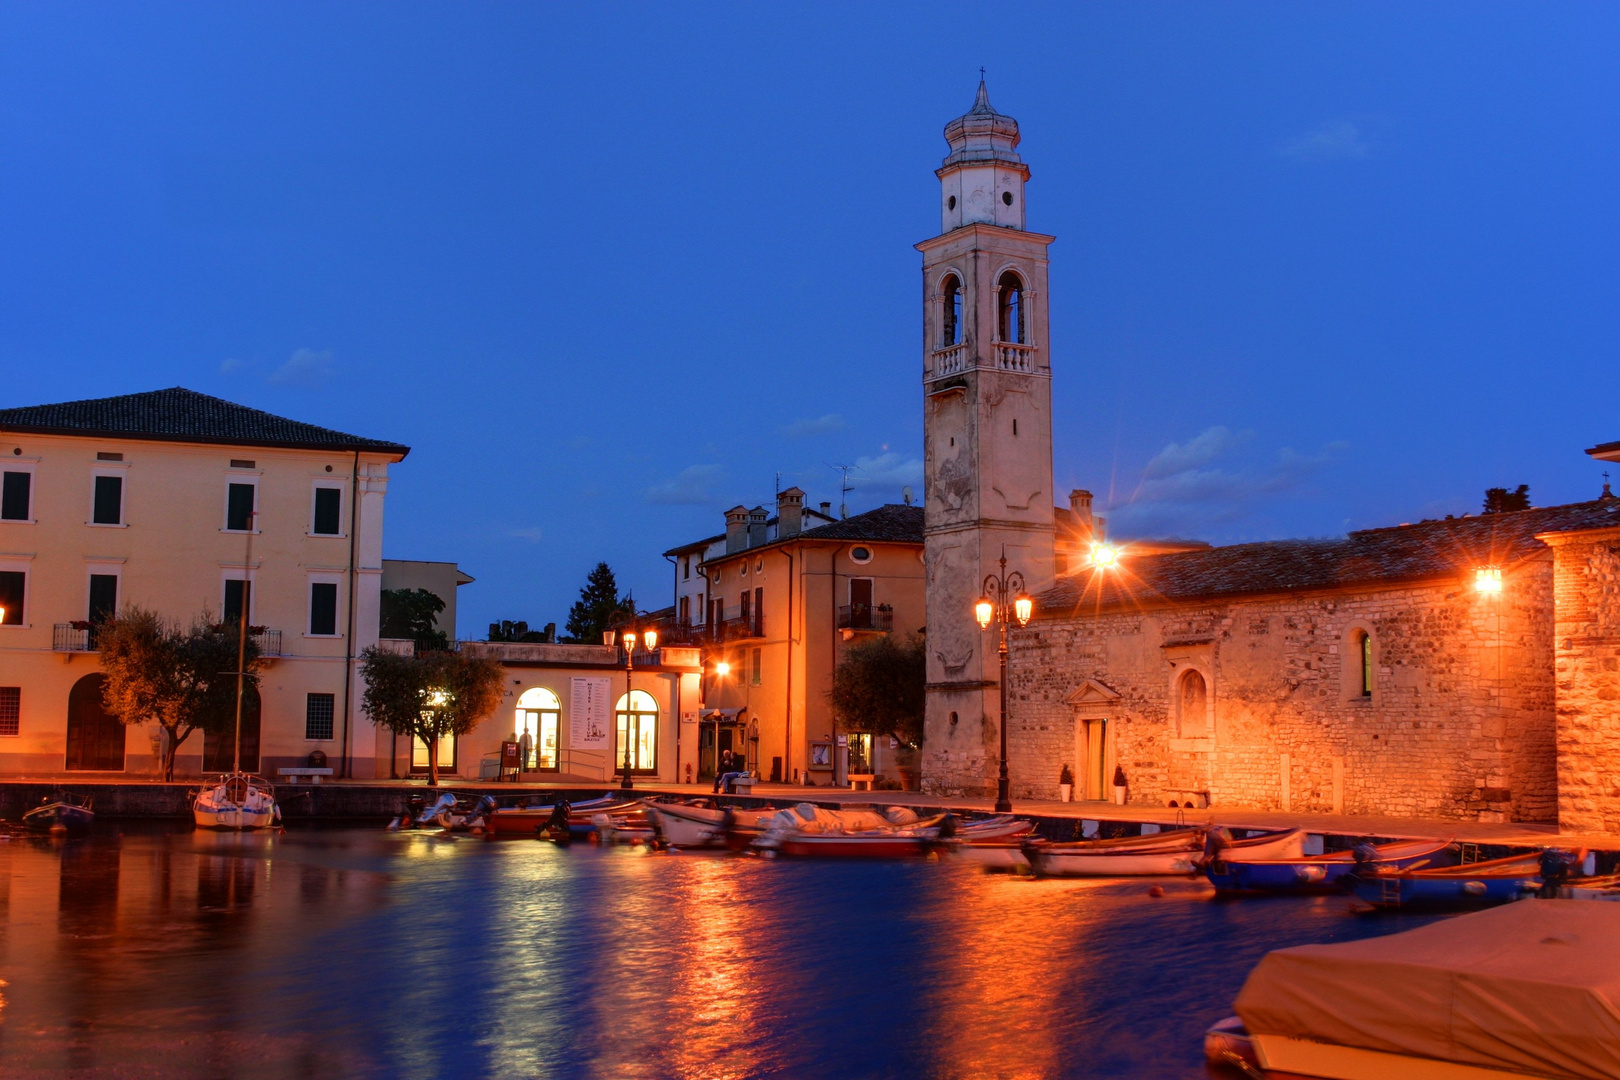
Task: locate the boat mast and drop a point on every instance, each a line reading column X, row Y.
column 241, row 637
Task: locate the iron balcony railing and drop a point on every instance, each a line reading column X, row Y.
column 268, row 641
column 65, row 637
column 866, row 617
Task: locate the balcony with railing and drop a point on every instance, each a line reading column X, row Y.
column 1014, row 357
column 866, row 617
column 73, row 637
column 268, row 641
column 950, row 360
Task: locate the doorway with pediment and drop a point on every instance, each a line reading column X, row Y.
column 1096, row 711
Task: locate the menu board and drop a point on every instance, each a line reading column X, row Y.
column 589, row 713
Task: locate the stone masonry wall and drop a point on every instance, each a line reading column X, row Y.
column 1460, row 723
column 1588, row 679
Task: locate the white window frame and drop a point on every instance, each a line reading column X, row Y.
column 338, row 623
column 870, row 554
column 29, row 465
column 343, row 504
column 23, row 564
column 119, row 469
column 249, row 574
column 94, row 566
column 239, row 476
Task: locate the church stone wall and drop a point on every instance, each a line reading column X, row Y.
column 1460, row 723
column 1588, row 679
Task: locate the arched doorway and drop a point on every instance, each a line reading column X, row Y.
column 219, row 751
column 539, row 713
column 95, row 737
column 637, row 716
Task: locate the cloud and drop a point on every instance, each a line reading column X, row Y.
column 693, row 485
column 821, row 425
column 533, row 536
column 1202, row 449
column 1188, row 487
column 231, row 366
column 305, row 367
column 890, row 468
column 1328, row 142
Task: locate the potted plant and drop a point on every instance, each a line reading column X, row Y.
column 1119, row 785
column 1065, row 784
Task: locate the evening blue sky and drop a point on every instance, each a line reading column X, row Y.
column 610, row 269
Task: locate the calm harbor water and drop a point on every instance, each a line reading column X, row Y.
column 325, row 953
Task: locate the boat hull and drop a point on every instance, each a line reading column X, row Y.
column 835, row 846
column 236, row 802
column 234, row 817
column 1058, row 863
column 1312, row 874
column 1478, row 885
column 59, row 817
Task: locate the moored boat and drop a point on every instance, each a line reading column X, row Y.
column 809, row 830
column 236, row 800
column 1495, row 881
column 1181, row 851
column 1318, row 873
column 682, row 825
column 61, row 813
column 531, row 820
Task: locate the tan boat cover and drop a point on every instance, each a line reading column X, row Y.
column 1532, row 986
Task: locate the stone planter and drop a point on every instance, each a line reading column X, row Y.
column 1065, row 791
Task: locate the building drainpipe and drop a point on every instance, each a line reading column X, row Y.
column 787, row 749
column 348, row 639
column 675, row 576
column 832, row 642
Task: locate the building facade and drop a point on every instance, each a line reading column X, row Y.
column 186, row 505
column 782, row 598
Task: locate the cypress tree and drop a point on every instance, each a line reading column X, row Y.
column 598, row 600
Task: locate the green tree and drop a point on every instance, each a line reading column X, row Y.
column 430, row 695
column 509, row 630
column 412, row 613
column 1503, row 501
column 598, row 601
column 181, row 678
column 878, row 687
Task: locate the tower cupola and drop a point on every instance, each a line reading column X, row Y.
column 982, row 178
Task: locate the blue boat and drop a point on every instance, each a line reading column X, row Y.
column 61, row 813
column 1479, row 884
column 1319, row 873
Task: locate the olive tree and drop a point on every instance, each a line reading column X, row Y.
column 430, row 695
column 878, row 687
column 181, row 678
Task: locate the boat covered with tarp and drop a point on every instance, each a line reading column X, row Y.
column 1531, row 989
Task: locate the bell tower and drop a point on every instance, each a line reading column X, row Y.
column 987, row 423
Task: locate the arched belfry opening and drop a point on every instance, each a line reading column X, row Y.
column 950, row 313
column 1010, row 309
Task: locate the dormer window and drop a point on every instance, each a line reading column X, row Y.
column 950, row 312
column 1010, row 309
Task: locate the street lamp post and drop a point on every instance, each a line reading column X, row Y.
column 627, row 637
column 1004, row 599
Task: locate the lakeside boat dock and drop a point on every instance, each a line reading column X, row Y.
column 360, row 800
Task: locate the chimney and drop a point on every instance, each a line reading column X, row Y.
column 757, row 517
column 789, row 513
column 736, row 529
column 1080, row 507
column 826, row 510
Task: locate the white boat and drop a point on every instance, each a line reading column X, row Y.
column 683, row 826
column 1162, row 854
column 236, row 801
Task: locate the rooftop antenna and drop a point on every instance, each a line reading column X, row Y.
column 843, row 490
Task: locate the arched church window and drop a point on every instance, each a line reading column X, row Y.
column 950, row 312
column 1193, row 706
column 1010, row 318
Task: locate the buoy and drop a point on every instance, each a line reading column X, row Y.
column 1157, row 890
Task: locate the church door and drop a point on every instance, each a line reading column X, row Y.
column 95, row 738
column 1096, row 768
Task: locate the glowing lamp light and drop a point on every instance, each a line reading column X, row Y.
column 650, row 640
column 1105, row 556
column 1488, row 580
column 1023, row 607
column 984, row 611
column 722, row 669
column 629, row 640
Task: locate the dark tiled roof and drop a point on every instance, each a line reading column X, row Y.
column 1605, row 448
column 696, row 545
column 1372, row 557
column 893, row 522
column 181, row 415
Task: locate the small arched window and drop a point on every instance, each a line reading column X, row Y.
column 950, row 312
column 1193, row 705
column 1364, row 661
column 1010, row 317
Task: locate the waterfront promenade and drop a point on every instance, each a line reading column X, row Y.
column 360, row 799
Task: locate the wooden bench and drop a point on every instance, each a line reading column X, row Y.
column 314, row 775
column 861, row 781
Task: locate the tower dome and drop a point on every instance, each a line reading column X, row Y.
column 982, row 179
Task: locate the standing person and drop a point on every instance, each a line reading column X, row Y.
column 525, row 751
